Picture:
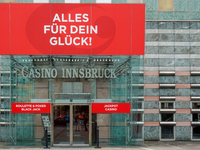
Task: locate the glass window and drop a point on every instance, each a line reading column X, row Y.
column 166, row 5
column 139, row 132
column 167, row 132
column 167, row 117
column 196, row 117
column 195, row 105
column 167, row 105
column 137, row 105
column 138, row 117
column 196, row 132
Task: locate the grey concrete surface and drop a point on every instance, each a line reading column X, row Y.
column 148, row 145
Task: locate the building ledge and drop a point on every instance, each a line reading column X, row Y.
column 172, row 98
column 167, row 110
column 5, row 110
column 167, row 85
column 195, row 98
column 195, row 123
column 195, row 110
column 193, row 73
column 137, row 72
column 138, row 123
column 8, row 84
column 195, row 85
column 140, row 98
column 137, row 85
column 172, row 123
column 7, row 72
column 167, row 73
column 6, row 97
column 138, row 110
column 6, row 123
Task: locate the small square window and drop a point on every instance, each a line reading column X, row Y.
column 196, row 117
column 167, row 105
column 138, row 117
column 166, row 5
column 167, row 117
column 137, row 105
column 195, row 105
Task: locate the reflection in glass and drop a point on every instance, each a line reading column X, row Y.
column 80, row 124
column 61, row 125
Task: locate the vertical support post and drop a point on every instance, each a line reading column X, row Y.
column 97, row 137
column 90, row 126
column 52, row 124
column 71, row 124
column 46, row 137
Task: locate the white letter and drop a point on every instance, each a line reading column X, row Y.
column 105, row 73
column 92, row 29
column 85, row 16
column 74, row 41
column 81, row 29
column 55, row 73
column 78, row 16
column 81, row 72
column 56, row 17
column 87, row 73
column 45, row 28
column 63, row 18
column 84, row 40
column 62, row 29
column 53, row 42
column 71, row 29
column 23, row 72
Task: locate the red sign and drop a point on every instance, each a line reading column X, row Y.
column 72, row 29
column 31, row 108
column 111, row 108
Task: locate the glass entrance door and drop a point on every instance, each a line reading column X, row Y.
column 81, row 125
column 62, row 124
column 71, row 125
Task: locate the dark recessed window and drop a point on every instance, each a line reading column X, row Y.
column 195, row 105
column 137, row 117
column 137, row 105
column 167, row 117
column 196, row 117
column 167, row 132
column 196, row 132
column 166, row 105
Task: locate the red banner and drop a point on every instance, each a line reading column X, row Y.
column 72, row 29
column 111, row 108
column 31, row 108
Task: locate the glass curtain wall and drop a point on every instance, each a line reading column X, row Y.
column 24, row 82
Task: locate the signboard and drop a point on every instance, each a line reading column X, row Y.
column 46, row 123
column 111, row 108
column 72, row 29
column 31, row 108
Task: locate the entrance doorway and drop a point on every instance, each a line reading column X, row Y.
column 71, row 125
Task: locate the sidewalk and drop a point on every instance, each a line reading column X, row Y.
column 148, row 145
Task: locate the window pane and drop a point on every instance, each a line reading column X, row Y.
column 195, row 117
column 167, row 132
column 196, row 132
column 167, row 105
column 137, row 117
column 195, row 105
column 167, row 117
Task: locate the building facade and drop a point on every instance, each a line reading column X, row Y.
column 163, row 86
